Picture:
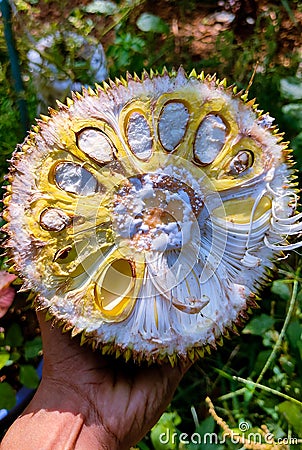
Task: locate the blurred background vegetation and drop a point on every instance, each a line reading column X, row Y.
column 235, row 39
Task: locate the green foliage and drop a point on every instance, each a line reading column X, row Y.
column 259, row 325
column 127, row 48
column 29, row 376
column 268, row 354
column 150, row 23
column 14, row 336
column 291, row 93
column 19, row 357
column 102, row 7
column 270, row 367
column 292, row 414
column 165, row 432
column 7, row 395
column 32, row 348
column 10, row 127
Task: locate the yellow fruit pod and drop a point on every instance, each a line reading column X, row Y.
column 145, row 214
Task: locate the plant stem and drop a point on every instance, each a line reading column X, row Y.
column 268, row 389
column 285, row 325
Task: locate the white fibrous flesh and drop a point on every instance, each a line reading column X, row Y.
column 145, row 215
column 96, row 145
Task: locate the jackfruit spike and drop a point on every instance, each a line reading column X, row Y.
column 200, row 352
column 191, row 355
column 219, row 341
column 123, row 81
column 193, row 74
column 105, row 349
column 118, row 353
column 31, row 297
column 208, row 348
column 127, row 354
column 226, row 334
column 152, row 73
column 251, row 102
column 202, row 76
column 172, row 360
column 61, row 105
column 210, row 77
column 112, row 84
column 44, row 118
column 84, row 339
column 181, row 71
column 52, row 112
column 106, row 86
column 65, row 328
column 129, row 76
column 145, row 75
column 69, row 102
column 235, row 329
column 75, row 331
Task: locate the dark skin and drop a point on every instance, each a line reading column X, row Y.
column 86, row 401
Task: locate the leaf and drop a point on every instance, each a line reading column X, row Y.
column 14, row 337
column 142, row 446
column 299, row 347
column 102, row 7
column 165, row 432
column 206, row 426
column 7, row 293
column 288, row 364
column 258, row 325
column 29, row 376
column 291, row 88
column 294, row 333
column 7, row 396
column 149, row 22
column 296, row 144
column 204, row 437
column 292, row 414
column 282, row 289
column 33, row 348
column 262, row 357
column 4, row 357
column 293, row 115
column 14, row 356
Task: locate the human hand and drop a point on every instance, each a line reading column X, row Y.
column 88, row 401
